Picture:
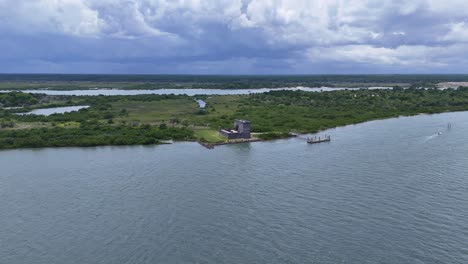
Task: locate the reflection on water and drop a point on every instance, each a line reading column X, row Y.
column 201, row 103
column 54, row 110
column 190, row 92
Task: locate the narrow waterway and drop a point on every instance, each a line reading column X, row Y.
column 54, row 110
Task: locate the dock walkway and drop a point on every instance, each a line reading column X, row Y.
column 315, row 140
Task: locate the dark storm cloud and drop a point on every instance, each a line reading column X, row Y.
column 256, row 36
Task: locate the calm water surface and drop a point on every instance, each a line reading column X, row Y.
column 392, row 191
column 54, row 110
column 190, row 92
column 201, row 103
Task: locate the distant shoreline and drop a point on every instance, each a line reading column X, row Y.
column 151, row 119
column 168, row 81
column 213, row 145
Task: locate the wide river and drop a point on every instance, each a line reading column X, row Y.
column 390, row 191
column 190, row 92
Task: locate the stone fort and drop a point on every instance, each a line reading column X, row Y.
column 241, row 130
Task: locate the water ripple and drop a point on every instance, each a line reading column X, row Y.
column 392, row 191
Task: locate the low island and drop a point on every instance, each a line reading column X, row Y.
column 157, row 119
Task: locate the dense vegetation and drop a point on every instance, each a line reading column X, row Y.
column 147, row 119
column 17, row 99
column 71, row 81
column 286, row 111
column 90, row 134
column 310, row 112
column 373, row 78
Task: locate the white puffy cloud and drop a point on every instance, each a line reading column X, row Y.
column 210, row 32
column 282, row 21
column 72, row 17
column 404, row 55
column 458, row 33
column 290, row 21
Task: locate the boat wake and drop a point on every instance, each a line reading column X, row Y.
column 433, row 136
column 440, row 133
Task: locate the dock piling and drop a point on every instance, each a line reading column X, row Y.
column 320, row 139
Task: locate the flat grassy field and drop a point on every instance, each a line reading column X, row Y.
column 209, row 135
column 156, row 111
column 218, row 111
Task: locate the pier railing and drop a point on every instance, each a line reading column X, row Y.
column 314, row 140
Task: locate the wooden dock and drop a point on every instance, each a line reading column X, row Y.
column 316, row 140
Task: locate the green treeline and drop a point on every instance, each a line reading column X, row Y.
column 73, row 82
column 284, row 111
column 17, row 99
column 147, row 119
column 197, row 79
column 91, row 135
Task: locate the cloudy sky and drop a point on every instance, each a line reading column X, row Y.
column 234, row 36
